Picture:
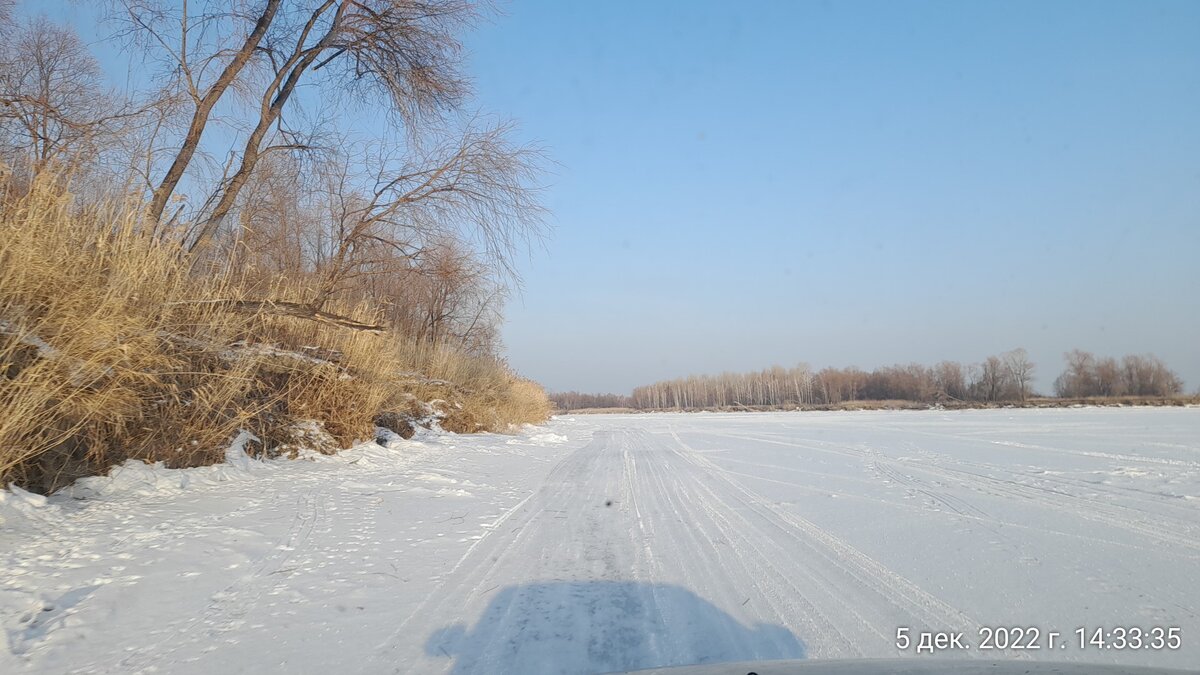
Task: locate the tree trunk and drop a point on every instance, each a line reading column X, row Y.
column 191, row 140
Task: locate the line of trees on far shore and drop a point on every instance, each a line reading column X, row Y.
column 1005, row 377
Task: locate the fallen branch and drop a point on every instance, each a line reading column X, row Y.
column 292, row 309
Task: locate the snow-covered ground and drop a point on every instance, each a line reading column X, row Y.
column 601, row 543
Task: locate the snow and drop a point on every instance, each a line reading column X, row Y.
column 612, row 542
column 44, row 349
column 239, row 350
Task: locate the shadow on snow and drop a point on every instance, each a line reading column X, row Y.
column 604, row 626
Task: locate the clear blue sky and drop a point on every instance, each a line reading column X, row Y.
column 847, row 183
column 748, row 184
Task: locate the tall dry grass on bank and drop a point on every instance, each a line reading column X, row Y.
column 110, row 349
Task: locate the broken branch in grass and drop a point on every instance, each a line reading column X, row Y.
column 292, row 309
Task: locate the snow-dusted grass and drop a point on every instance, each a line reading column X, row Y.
column 600, row 543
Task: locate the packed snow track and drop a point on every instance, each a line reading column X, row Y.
column 619, row 542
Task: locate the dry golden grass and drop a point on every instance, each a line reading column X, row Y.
column 86, row 301
column 110, row 349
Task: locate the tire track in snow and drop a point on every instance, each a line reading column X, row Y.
column 890, row 588
column 1140, row 459
column 681, row 519
column 577, row 538
column 480, row 570
column 715, row 554
column 1172, row 531
column 989, row 522
column 1113, row 515
column 774, row 583
column 959, row 506
column 1106, row 513
column 1065, row 483
column 647, row 566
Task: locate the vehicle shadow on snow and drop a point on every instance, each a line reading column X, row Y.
column 604, row 626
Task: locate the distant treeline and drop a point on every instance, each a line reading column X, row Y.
column 1002, row 378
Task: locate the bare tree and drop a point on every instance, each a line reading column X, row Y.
column 993, row 378
column 54, row 108
column 998, row 378
column 403, row 54
column 1020, row 371
column 478, row 184
column 351, row 245
column 366, row 210
column 1079, row 379
column 192, row 46
column 279, row 221
column 951, row 380
column 1086, row 375
column 573, row 400
column 1108, row 378
column 1148, row 376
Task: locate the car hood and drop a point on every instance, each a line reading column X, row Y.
column 910, row 666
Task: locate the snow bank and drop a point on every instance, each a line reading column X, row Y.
column 17, row 505
column 539, row 439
